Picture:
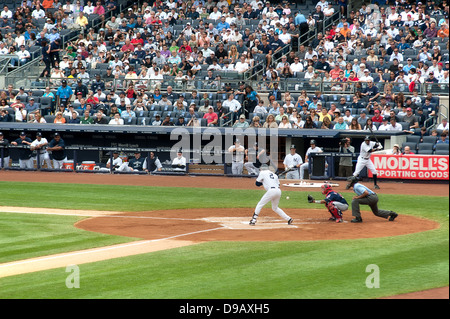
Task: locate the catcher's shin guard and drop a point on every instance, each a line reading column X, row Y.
column 335, row 213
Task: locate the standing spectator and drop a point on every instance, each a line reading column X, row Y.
column 63, row 94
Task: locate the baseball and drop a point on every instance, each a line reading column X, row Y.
column 287, row 197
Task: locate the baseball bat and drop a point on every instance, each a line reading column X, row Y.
column 373, row 135
column 284, row 172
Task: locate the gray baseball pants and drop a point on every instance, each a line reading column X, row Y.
column 372, row 202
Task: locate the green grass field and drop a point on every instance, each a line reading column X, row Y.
column 287, row 270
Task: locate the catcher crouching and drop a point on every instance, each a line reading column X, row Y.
column 334, row 202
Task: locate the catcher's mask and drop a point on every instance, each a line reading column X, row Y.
column 351, row 180
column 326, row 188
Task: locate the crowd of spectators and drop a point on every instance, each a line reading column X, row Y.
column 375, row 60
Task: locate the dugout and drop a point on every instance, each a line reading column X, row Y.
column 94, row 142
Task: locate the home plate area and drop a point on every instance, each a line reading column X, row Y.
column 263, row 223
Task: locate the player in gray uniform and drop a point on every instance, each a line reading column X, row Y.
column 273, row 194
column 292, row 161
column 367, row 147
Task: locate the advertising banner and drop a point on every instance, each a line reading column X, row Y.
column 423, row 167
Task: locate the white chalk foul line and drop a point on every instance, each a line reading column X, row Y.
column 103, row 249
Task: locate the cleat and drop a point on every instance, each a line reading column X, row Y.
column 377, row 187
column 332, row 219
column 392, row 216
column 339, row 220
column 357, row 220
column 252, row 222
column 290, row 221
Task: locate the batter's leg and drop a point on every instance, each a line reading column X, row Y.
column 371, row 167
column 267, row 197
column 278, row 210
column 360, row 164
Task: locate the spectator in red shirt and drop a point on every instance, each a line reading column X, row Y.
column 137, row 40
column 377, row 117
column 127, row 46
column 334, row 73
column 211, row 117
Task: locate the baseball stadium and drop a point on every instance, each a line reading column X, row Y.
column 224, row 150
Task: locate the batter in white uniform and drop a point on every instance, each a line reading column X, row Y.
column 273, row 194
column 367, row 147
column 40, row 145
column 293, row 161
column 312, row 149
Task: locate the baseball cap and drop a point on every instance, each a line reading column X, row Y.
column 292, row 146
column 22, row 134
column 409, row 109
column 38, row 134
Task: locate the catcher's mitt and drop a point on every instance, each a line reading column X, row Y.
column 310, row 199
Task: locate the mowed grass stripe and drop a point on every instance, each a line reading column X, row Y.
column 250, row 270
column 322, row 269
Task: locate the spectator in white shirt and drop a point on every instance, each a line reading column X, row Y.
column 215, row 15
column 394, row 126
column 88, row 8
column 396, row 55
column 241, row 66
column 38, row 13
column 24, row 55
column 384, row 126
column 6, row 13
column 444, row 79
column 297, row 66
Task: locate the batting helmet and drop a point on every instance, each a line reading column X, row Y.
column 312, row 142
column 326, row 188
column 367, row 138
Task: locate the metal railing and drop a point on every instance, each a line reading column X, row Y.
column 293, row 84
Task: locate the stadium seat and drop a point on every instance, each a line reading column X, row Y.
column 425, row 148
column 412, row 146
column 441, row 147
column 413, row 139
column 130, row 121
column 429, row 139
